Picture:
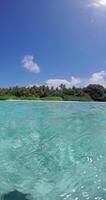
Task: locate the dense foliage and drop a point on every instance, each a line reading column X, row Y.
column 91, row 92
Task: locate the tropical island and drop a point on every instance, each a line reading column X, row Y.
column 92, row 92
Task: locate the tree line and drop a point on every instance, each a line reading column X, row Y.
column 91, row 92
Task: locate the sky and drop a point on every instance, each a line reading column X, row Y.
column 52, row 42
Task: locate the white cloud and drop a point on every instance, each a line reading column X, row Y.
column 98, row 78
column 95, row 78
column 97, row 3
column 32, row 85
column 75, row 81
column 57, row 82
column 29, row 64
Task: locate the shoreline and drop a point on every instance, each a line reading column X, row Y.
column 50, row 101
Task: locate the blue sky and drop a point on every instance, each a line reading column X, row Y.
column 52, row 41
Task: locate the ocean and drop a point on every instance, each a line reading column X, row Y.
column 52, row 150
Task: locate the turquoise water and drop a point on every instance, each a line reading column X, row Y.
column 53, row 151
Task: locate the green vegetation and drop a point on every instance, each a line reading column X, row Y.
column 44, row 93
column 78, row 98
column 31, row 98
column 54, row 98
column 18, row 98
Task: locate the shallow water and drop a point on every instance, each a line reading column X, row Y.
column 53, row 151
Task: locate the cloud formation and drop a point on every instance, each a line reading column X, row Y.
column 95, row 78
column 29, row 64
column 75, row 81
column 98, row 78
column 57, row 82
column 98, row 3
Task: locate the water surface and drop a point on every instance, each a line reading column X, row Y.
column 53, row 151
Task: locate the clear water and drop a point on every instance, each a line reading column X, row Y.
column 53, row 151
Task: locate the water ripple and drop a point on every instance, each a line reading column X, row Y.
column 53, row 151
